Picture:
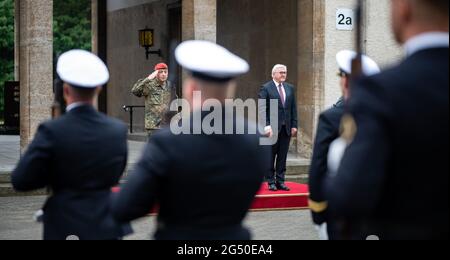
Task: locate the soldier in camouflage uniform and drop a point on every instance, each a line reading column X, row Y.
column 158, row 93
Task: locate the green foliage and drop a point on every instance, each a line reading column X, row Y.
column 6, row 46
column 71, row 30
column 71, row 25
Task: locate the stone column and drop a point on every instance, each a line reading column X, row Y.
column 94, row 26
column 98, row 43
column 94, row 33
column 205, row 21
column 35, row 65
column 16, row 39
column 199, row 20
column 187, row 20
column 311, row 48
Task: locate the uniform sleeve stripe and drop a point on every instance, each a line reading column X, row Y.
column 318, row 207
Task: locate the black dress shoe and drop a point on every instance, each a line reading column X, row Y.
column 282, row 186
column 272, row 187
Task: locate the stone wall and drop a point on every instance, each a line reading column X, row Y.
column 264, row 32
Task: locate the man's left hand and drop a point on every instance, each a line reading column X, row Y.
column 294, row 132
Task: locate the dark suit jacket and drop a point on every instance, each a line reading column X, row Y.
column 394, row 175
column 80, row 156
column 203, row 184
column 288, row 112
column 327, row 132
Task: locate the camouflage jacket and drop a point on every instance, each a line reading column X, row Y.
column 157, row 101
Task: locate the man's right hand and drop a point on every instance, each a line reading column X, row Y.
column 322, row 231
column 269, row 132
column 153, row 75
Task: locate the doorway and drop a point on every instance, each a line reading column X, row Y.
column 174, row 38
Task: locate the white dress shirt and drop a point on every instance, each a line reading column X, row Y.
column 426, row 41
column 282, row 89
column 75, row 105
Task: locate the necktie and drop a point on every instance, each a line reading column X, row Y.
column 280, row 90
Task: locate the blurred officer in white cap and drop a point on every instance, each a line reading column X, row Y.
column 327, row 132
column 203, row 183
column 344, row 59
column 397, row 125
column 79, row 156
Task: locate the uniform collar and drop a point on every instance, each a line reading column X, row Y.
column 426, row 41
column 76, row 105
column 163, row 85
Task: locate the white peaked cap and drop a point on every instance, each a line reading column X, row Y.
column 82, row 69
column 344, row 59
column 210, row 61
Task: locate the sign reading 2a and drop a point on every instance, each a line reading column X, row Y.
column 345, row 19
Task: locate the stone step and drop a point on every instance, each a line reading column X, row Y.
column 5, row 177
column 297, row 171
column 6, row 190
column 297, row 166
column 138, row 137
column 294, row 167
column 299, row 178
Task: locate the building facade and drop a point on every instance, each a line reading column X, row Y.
column 303, row 34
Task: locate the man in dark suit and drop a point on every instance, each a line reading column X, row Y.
column 397, row 158
column 79, row 156
column 203, row 183
column 328, row 130
column 284, row 93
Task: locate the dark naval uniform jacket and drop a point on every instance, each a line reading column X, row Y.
column 394, row 174
column 79, row 156
column 327, row 132
column 203, row 184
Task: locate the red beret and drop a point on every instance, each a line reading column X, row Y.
column 161, row 66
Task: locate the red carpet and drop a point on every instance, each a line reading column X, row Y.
column 265, row 200
column 296, row 198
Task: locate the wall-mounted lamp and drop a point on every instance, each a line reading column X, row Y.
column 146, row 40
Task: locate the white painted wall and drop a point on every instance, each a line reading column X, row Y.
column 379, row 44
column 335, row 41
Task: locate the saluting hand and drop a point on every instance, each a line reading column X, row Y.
column 153, row 75
column 294, row 132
